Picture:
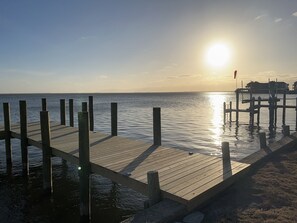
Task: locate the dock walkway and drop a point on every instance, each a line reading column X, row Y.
column 184, row 177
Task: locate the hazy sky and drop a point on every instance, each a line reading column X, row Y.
column 143, row 45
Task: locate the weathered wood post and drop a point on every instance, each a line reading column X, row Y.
column 224, row 112
column 24, row 139
column 262, row 138
column 284, row 108
column 275, row 111
column 230, row 104
column 114, row 119
column 296, row 115
column 252, row 111
column 84, row 166
column 237, row 105
column 6, row 113
column 271, row 113
column 63, row 112
column 286, row 130
column 46, row 152
column 157, row 126
column 91, row 113
column 43, row 104
column 153, row 185
column 71, row 113
column 84, row 106
column 225, row 152
column 259, row 108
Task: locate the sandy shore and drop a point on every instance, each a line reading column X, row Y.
column 267, row 194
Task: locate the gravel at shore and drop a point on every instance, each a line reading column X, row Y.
column 267, row 194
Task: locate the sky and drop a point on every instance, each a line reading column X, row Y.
column 65, row 46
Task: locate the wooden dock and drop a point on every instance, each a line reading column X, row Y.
column 188, row 179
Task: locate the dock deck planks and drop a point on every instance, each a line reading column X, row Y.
column 183, row 177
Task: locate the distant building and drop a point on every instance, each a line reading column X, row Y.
column 270, row 87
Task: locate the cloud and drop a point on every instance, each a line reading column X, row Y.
column 294, row 14
column 278, row 20
column 260, row 17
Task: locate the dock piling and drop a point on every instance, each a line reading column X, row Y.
column 46, row 152
column 224, row 112
column 157, row 126
column 71, row 113
column 84, row 106
column 225, row 152
column 154, row 192
column 237, row 105
column 262, row 137
column 62, row 112
column 284, row 108
column 43, row 104
column 286, row 130
column 6, row 113
column 91, row 112
column 259, row 108
column 114, row 119
column 230, row 104
column 24, row 139
column 271, row 113
column 296, row 115
column 84, row 166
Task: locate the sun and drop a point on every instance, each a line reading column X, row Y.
column 218, row 55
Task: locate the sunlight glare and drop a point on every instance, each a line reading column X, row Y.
column 218, row 55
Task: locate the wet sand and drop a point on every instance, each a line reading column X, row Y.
column 267, row 194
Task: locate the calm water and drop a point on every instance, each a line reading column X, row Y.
column 190, row 121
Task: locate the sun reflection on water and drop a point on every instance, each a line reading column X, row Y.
column 216, row 102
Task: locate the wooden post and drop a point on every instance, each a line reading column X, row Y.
column 262, row 137
column 84, row 106
column 91, row 113
column 252, row 111
column 84, row 166
column 44, row 106
column 154, row 192
column 237, row 105
column 225, row 152
column 275, row 111
column 259, row 108
column 63, row 112
column 114, row 119
column 157, row 126
column 24, row 139
column 271, row 113
column 286, row 130
column 224, row 111
column 230, row 111
column 6, row 112
column 284, row 108
column 296, row 115
column 71, row 113
column 46, row 152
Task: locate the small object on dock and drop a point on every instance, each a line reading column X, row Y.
column 154, row 192
column 286, row 130
column 191, row 153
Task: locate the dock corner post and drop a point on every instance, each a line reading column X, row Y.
column 284, row 108
column 91, row 112
column 225, row 152
column 262, row 138
column 230, row 111
column 259, row 108
column 62, row 112
column 114, row 119
column 271, row 113
column 157, row 126
column 71, row 113
column 237, row 106
column 154, row 192
column 43, row 104
column 6, row 113
column 224, row 112
column 46, row 152
column 286, row 130
column 24, row 139
column 84, row 166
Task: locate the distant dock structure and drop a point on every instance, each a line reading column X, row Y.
column 268, row 95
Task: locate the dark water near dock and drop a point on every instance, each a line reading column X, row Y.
column 191, row 121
